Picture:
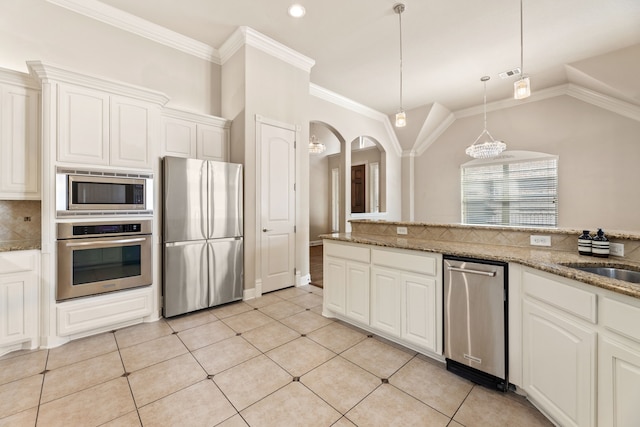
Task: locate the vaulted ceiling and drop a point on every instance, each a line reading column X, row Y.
column 448, row 44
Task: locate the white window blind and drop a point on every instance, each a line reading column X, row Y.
column 521, row 192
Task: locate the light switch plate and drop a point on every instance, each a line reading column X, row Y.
column 401, row 230
column 540, row 240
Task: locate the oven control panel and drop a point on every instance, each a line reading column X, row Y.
column 103, row 229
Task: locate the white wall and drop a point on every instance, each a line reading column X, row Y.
column 598, row 169
column 38, row 30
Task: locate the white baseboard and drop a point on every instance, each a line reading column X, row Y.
column 303, row 280
column 315, row 243
column 248, row 294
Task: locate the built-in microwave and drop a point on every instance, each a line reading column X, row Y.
column 86, row 192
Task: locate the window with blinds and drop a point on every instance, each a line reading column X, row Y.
column 520, row 190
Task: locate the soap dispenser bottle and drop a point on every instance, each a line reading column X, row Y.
column 600, row 245
column 584, row 243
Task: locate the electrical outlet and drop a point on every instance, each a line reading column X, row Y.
column 540, row 240
column 402, row 230
column 616, row 249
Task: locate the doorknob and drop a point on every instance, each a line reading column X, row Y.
column 264, row 230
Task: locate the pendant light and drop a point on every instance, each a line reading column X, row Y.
column 522, row 87
column 401, row 116
column 490, row 147
column 315, row 146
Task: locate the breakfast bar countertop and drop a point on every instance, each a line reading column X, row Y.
column 551, row 261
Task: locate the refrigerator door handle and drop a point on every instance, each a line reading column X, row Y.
column 204, row 198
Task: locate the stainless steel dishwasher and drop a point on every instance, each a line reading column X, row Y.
column 475, row 320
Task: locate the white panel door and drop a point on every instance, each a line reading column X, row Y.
column 559, row 362
column 179, row 137
column 19, row 148
column 212, row 143
column 385, row 300
column 131, row 131
column 357, row 291
column 618, row 383
column 334, row 279
column 419, row 320
column 83, row 125
column 277, row 216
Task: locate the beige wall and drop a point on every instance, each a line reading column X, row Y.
column 38, row 30
column 598, row 168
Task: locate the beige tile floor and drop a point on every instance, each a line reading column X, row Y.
column 273, row 361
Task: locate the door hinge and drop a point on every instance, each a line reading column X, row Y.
column 295, row 228
column 294, row 186
column 295, row 270
column 294, row 144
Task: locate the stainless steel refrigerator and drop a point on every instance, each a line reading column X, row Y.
column 202, row 236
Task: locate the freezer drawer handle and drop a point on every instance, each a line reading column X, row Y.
column 110, row 242
column 465, row 270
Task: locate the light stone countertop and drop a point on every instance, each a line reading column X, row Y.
column 20, row 245
column 545, row 260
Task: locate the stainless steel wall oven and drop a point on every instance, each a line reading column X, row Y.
column 95, row 258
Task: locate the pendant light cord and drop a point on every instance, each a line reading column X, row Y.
column 521, row 44
column 400, row 10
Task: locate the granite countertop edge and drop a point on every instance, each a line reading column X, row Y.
column 551, row 261
column 20, row 245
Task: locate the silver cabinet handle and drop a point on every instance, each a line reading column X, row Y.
column 264, row 230
column 465, row 270
column 110, row 242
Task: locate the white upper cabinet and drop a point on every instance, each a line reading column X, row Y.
column 19, row 138
column 193, row 135
column 95, row 121
column 83, row 125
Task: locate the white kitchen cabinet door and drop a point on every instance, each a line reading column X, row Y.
column 19, row 143
column 385, row 300
column 357, row 292
column 19, row 300
column 334, row 279
column 212, row 143
column 179, row 137
column 132, row 130
column 420, row 314
column 618, row 383
column 83, row 125
column 559, row 364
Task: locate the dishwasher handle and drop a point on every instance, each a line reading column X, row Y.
column 466, row 270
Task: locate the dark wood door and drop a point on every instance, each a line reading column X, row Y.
column 358, row 189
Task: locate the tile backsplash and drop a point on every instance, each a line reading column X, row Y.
column 20, row 220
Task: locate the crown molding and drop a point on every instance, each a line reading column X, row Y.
column 17, row 78
column 47, row 73
column 125, row 21
column 193, row 116
column 248, row 36
column 344, row 102
column 623, row 108
column 433, row 136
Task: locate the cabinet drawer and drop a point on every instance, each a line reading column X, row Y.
column 18, row 261
column 620, row 317
column 575, row 301
column 405, row 260
column 352, row 252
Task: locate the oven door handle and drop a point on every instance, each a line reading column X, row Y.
column 110, row 242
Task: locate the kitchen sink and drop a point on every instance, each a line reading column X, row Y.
column 612, row 272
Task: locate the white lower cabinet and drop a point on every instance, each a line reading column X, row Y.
column 346, row 269
column 619, row 362
column 559, row 364
column 396, row 293
column 385, row 300
column 19, row 303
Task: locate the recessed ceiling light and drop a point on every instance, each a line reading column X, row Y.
column 296, row 10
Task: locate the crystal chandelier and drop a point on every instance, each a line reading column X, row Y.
column 490, row 147
column 315, row 146
column 401, row 117
column 522, row 87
